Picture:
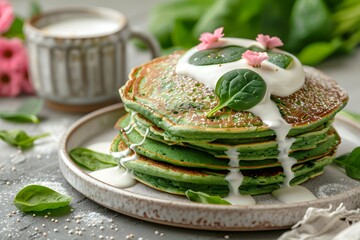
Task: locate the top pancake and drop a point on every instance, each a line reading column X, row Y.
column 179, row 104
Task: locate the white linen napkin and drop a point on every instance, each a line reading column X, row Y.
column 324, row 224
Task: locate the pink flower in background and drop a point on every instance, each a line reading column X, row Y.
column 13, row 62
column 12, row 52
column 209, row 40
column 10, row 82
column 6, row 16
column 254, row 58
column 269, row 42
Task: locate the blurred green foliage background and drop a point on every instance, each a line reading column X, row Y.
column 314, row 30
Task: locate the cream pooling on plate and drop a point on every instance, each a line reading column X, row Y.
column 279, row 81
column 114, row 176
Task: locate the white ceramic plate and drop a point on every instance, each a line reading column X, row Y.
column 139, row 201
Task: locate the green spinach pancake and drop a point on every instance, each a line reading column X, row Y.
column 182, row 134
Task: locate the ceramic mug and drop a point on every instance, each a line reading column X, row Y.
column 78, row 56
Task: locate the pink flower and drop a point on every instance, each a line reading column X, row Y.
column 12, row 53
column 10, row 82
column 254, row 58
column 209, row 40
column 269, row 42
column 6, row 16
column 13, row 62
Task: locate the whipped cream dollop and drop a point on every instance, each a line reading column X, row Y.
column 280, row 82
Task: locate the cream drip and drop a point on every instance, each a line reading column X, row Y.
column 131, row 124
column 132, row 147
column 269, row 114
column 120, row 176
column 235, row 178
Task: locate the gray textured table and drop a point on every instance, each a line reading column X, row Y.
column 89, row 220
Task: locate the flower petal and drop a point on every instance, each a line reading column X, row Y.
column 10, row 83
column 269, row 42
column 209, row 40
column 254, row 58
column 6, row 16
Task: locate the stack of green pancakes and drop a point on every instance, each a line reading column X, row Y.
column 178, row 148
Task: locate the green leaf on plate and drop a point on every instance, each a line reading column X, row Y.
column 351, row 163
column 19, row 138
column 92, row 160
column 27, row 112
column 217, row 55
column 201, row 197
column 39, row 198
column 239, row 89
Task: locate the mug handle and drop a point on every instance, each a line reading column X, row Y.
column 149, row 41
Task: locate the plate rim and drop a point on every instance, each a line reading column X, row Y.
column 65, row 161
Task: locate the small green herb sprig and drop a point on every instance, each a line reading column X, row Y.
column 39, row 198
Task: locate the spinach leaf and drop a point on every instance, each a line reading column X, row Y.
column 346, row 17
column 19, row 138
column 351, row 163
column 16, row 29
column 201, row 197
column 27, row 112
column 299, row 23
column 353, row 40
column 217, row 55
column 228, row 54
column 39, row 198
column 234, row 16
column 351, row 115
column 279, row 59
column 316, row 52
column 163, row 17
column 239, row 89
column 92, row 160
column 182, row 32
column 310, row 22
